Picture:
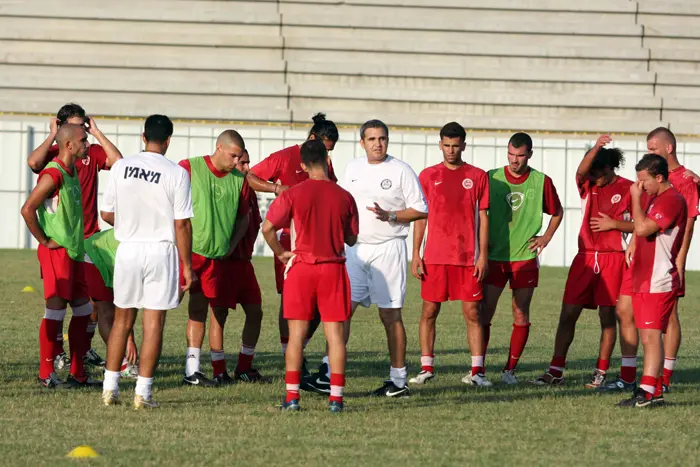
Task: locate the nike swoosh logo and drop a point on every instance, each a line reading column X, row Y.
column 322, row 383
column 299, row 171
column 353, row 181
column 194, row 383
column 392, row 394
column 531, row 281
column 474, row 295
column 437, row 183
column 648, row 322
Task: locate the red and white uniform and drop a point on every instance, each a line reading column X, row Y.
column 523, row 274
column 595, row 276
column 284, row 167
column 62, row 276
column 689, row 190
column 655, row 282
column 212, row 274
column 319, row 215
column 455, row 198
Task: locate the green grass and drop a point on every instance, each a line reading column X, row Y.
column 443, row 423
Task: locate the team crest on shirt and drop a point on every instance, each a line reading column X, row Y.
column 616, row 199
column 467, row 183
column 218, row 192
column 516, row 200
column 386, row 184
column 86, row 161
column 658, row 215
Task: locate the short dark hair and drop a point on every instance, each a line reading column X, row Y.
column 612, row 158
column 655, row 165
column 519, row 140
column 324, row 129
column 157, row 129
column 313, row 152
column 69, row 111
column 453, row 130
column 665, row 133
column 373, row 124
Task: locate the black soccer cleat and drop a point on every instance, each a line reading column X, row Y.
column 251, row 376
column 318, row 382
column 389, row 389
column 83, row 383
column 223, row 379
column 53, row 382
column 640, row 401
column 198, row 379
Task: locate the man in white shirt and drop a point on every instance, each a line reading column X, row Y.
column 389, row 197
column 148, row 201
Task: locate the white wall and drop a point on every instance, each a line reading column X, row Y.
column 556, row 156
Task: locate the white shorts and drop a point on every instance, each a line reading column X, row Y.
column 146, row 275
column 378, row 273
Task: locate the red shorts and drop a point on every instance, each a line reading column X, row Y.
column 211, row 276
column 242, row 283
column 63, row 277
column 443, row 282
column 97, row 289
column 626, row 287
column 652, row 310
column 286, row 242
column 595, row 279
column 520, row 274
column 324, row 287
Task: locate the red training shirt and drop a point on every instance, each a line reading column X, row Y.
column 319, row 214
column 612, row 199
column 687, row 188
column 284, row 166
column 454, row 198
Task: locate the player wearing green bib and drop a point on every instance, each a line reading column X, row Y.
column 519, row 195
column 221, row 206
column 53, row 214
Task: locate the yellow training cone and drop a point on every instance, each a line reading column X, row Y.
column 65, row 337
column 81, row 452
column 29, row 288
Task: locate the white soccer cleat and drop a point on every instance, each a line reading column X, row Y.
column 110, row 398
column 508, row 377
column 477, row 380
column 422, row 377
column 141, row 402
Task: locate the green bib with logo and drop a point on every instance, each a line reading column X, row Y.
column 101, row 248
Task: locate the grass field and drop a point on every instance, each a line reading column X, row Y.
column 443, row 423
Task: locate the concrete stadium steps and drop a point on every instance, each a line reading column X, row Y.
column 675, row 60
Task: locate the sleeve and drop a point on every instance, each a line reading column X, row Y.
column 183, row 196
column 244, row 201
column 485, row 195
column 185, row 164
column 423, row 179
column 280, row 211
column 583, row 184
column 551, row 203
column 109, row 197
column 255, row 218
column 55, row 175
column 689, row 191
column 268, row 169
column 353, row 225
column 98, row 154
column 665, row 213
column 412, row 191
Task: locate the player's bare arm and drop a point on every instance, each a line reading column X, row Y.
column 417, row 265
column 270, row 234
column 629, row 252
column 183, row 240
column 643, row 226
column 584, row 166
column 481, row 268
column 405, row 216
column 682, row 257
column 605, row 223
column 108, row 217
column 39, row 194
column 537, row 244
column 38, row 159
column 113, row 154
column 262, row 186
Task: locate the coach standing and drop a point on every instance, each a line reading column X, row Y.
column 148, row 201
column 389, row 197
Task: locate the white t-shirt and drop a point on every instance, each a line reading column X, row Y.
column 147, row 193
column 393, row 185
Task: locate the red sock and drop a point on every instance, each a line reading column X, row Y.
column 218, row 362
column 628, row 369
column 245, row 359
column 518, row 339
column 426, row 363
column 293, row 381
column 78, row 342
column 557, row 366
column 648, row 385
column 669, row 365
column 337, row 387
column 47, row 341
column 659, row 387
column 602, row 365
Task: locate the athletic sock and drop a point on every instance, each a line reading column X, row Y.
column 602, row 365
column 669, row 365
column 337, row 387
column 143, row 387
column 518, row 339
column 477, row 365
column 398, row 376
column 49, row 329
column 284, row 341
column 426, row 363
column 628, row 369
column 557, row 366
column 111, row 381
column 648, row 385
column 192, row 361
column 245, row 359
column 77, row 338
column 90, row 333
column 327, row 362
column 293, row 381
column 218, row 362
column 659, row 391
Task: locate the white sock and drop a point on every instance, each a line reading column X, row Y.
column 111, row 381
column 427, row 360
column 478, row 361
column 143, row 387
column 328, row 366
column 669, row 364
column 192, row 362
column 398, row 376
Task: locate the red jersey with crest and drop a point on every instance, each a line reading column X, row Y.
column 454, row 199
column 687, row 188
column 612, row 199
column 284, row 166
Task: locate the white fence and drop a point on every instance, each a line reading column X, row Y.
column 556, row 156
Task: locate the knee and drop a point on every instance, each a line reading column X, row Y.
column 220, row 315
column 607, row 320
column 430, row 312
column 390, row 316
column 472, row 315
column 253, row 312
column 521, row 317
column 197, row 314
